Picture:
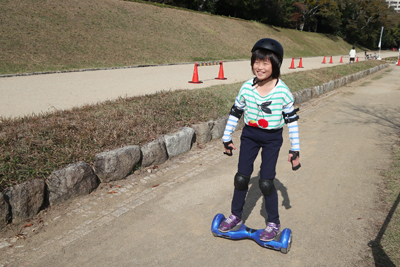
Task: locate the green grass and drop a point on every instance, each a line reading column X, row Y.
column 34, row 146
column 299, row 81
column 42, row 35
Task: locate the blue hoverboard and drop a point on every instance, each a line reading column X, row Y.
column 282, row 241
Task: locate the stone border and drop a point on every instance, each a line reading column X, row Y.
column 25, row 200
column 309, row 93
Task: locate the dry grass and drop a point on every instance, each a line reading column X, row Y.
column 43, row 35
column 298, row 81
column 34, row 146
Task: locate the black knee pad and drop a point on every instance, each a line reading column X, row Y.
column 241, row 182
column 267, row 186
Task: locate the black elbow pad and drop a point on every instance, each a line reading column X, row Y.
column 236, row 112
column 291, row 114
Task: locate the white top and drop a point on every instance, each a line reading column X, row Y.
column 352, row 53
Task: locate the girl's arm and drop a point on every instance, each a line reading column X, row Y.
column 291, row 118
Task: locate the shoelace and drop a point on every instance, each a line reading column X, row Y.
column 229, row 220
column 269, row 229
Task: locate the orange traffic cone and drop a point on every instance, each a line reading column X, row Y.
column 292, row 65
column 301, row 63
column 398, row 63
column 195, row 78
column 323, row 61
column 221, row 73
column 341, row 60
column 331, row 62
column 357, row 59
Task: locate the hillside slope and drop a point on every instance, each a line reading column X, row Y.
column 43, row 35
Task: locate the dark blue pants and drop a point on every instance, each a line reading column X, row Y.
column 252, row 140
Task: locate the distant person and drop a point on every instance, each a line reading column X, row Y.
column 266, row 104
column 352, row 54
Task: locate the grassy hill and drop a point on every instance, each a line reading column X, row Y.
column 40, row 35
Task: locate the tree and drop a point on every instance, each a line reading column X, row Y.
column 244, row 9
column 315, row 12
column 356, row 21
column 362, row 21
column 277, row 13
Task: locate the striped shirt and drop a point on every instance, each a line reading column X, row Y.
column 265, row 111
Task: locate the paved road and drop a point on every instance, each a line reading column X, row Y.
column 332, row 204
column 24, row 95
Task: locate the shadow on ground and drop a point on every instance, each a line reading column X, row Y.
column 389, row 124
column 380, row 257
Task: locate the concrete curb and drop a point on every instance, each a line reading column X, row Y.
column 186, row 137
column 307, row 94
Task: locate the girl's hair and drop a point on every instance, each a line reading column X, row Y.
column 263, row 54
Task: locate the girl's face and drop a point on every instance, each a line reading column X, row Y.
column 262, row 68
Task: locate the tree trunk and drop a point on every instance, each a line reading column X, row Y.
column 201, row 6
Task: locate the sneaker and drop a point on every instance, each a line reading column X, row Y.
column 229, row 223
column 270, row 232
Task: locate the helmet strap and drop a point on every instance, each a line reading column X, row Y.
column 256, row 81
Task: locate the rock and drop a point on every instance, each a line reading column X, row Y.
column 179, row 142
column 306, row 94
column 349, row 79
column 116, row 164
column 203, row 132
column 74, row 180
column 219, row 128
column 330, row 86
column 4, row 211
column 154, row 153
column 25, row 199
column 297, row 98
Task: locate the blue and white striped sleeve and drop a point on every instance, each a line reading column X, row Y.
column 232, row 121
column 293, row 128
column 230, row 128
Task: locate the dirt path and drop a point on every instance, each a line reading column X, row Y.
column 332, row 204
column 24, row 95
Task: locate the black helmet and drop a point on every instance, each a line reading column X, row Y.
column 270, row 44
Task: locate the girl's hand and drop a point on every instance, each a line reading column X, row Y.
column 295, row 161
column 228, row 148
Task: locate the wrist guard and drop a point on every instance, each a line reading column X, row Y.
column 295, row 154
column 226, row 145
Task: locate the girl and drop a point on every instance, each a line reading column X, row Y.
column 267, row 104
